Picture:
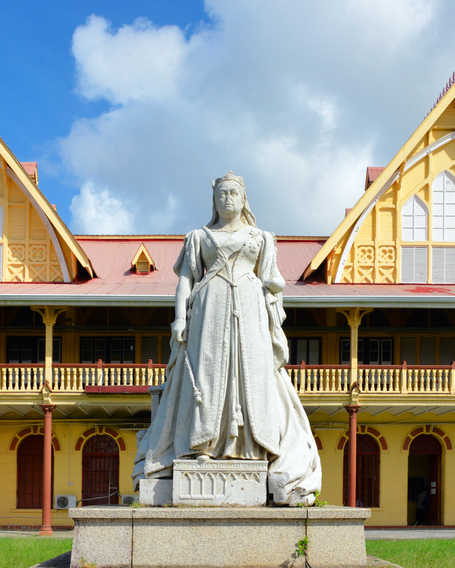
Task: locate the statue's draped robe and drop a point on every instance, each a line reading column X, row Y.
column 228, row 394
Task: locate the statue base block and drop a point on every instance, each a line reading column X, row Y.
column 213, row 537
column 203, row 482
column 155, row 492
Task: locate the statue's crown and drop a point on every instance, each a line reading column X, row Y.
column 230, row 176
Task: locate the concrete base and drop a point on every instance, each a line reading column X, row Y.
column 215, row 537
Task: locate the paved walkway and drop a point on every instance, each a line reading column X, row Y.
column 408, row 534
column 370, row 534
column 19, row 533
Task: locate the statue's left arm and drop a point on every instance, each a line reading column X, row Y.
column 268, row 267
column 274, row 285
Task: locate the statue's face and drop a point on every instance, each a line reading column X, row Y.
column 229, row 199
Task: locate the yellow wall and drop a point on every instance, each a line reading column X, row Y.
column 393, row 467
column 67, row 471
column 393, row 509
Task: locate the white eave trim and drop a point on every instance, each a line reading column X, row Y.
column 145, row 300
column 424, row 301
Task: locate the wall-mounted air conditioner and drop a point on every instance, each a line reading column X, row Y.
column 65, row 501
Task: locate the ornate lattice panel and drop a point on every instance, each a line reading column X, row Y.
column 386, row 264
column 364, row 256
column 30, row 254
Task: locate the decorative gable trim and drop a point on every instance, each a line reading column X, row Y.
column 47, row 224
column 42, row 203
column 401, row 162
column 142, row 262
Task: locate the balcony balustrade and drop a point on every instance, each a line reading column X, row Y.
column 306, row 379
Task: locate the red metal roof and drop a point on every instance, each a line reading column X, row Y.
column 373, row 172
column 30, row 167
column 111, row 258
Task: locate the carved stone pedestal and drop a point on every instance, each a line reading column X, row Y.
column 220, row 482
column 205, row 482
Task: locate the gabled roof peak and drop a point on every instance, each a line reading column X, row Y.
column 142, row 261
column 450, row 82
column 404, row 159
column 22, row 173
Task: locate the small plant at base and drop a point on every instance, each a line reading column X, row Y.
column 301, row 547
column 317, row 501
column 86, row 564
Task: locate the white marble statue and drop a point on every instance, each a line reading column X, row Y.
column 228, row 394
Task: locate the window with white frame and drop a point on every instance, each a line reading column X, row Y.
column 414, row 222
column 443, row 207
column 414, row 262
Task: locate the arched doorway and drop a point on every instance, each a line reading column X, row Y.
column 424, row 481
column 30, row 472
column 100, row 467
column 368, row 466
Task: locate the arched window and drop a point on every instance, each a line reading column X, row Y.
column 100, row 467
column 368, row 462
column 30, row 472
column 443, row 207
column 414, row 220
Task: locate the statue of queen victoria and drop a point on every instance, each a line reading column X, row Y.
column 228, row 395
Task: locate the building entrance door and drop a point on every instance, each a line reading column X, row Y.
column 30, row 472
column 424, row 481
column 100, row 465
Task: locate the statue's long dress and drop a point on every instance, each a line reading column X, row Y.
column 227, row 393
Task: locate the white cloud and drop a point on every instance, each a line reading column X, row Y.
column 96, row 211
column 297, row 97
column 136, row 62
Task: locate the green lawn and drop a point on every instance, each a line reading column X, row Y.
column 429, row 553
column 18, row 552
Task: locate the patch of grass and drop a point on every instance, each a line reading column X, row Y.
column 420, row 553
column 24, row 552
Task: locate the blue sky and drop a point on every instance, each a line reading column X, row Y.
column 38, row 100
column 132, row 108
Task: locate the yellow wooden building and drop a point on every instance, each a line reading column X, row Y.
column 84, row 332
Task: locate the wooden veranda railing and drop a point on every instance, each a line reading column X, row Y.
column 306, row 379
column 376, row 379
column 76, row 377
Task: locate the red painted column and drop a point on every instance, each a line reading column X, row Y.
column 352, row 472
column 46, row 527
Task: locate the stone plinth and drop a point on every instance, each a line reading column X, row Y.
column 219, row 482
column 213, row 537
column 155, row 492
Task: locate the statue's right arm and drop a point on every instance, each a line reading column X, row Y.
column 182, row 295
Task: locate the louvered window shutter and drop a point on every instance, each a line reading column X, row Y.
column 443, row 265
column 414, row 264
